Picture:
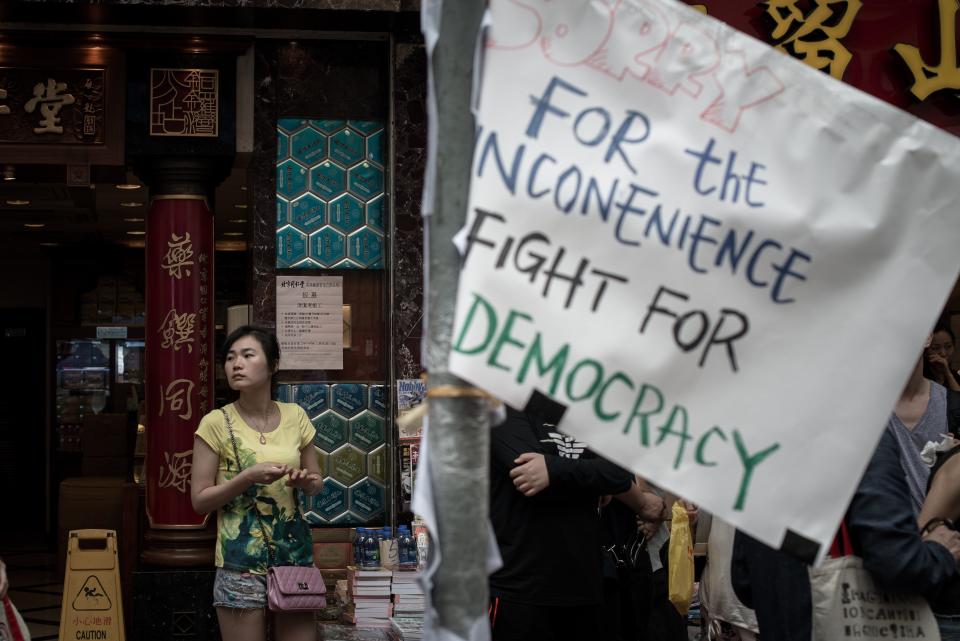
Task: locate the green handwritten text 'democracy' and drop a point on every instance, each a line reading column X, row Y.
column 487, row 333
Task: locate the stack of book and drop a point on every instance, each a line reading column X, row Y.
column 405, row 629
column 368, row 594
column 408, row 606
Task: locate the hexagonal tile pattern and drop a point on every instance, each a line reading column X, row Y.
column 329, row 126
column 375, row 148
column 367, row 431
column 312, row 397
column 367, row 499
column 346, row 213
column 308, row 212
column 378, row 399
column 375, row 213
column 322, row 460
column 366, row 248
column 290, row 125
column 347, row 518
column 328, row 246
column 349, row 399
column 348, row 465
column 330, row 185
column 347, row 147
column 366, row 180
column 366, row 126
column 331, row 431
column 331, row 502
column 377, row 464
column 308, row 146
column 291, row 179
column 327, row 180
column 291, row 246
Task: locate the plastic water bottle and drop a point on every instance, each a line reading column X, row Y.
column 358, row 547
column 371, row 549
column 408, row 549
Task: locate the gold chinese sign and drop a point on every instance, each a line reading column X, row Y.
column 815, row 36
column 184, row 102
column 892, row 37
column 52, row 106
column 944, row 74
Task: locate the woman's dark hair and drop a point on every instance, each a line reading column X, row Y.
column 943, row 327
column 267, row 339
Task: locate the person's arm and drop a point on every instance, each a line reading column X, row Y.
column 943, row 499
column 308, row 478
column 885, row 533
column 514, row 447
column 206, row 496
column 645, row 503
column 941, row 367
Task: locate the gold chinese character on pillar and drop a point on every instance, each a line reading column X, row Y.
column 814, row 38
column 178, row 256
column 177, row 330
column 4, row 109
column 944, row 75
column 176, row 473
column 176, row 398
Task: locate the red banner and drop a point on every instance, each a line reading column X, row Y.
column 179, row 351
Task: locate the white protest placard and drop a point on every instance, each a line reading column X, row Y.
column 310, row 322
column 720, row 261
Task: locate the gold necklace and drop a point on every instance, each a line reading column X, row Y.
column 266, row 421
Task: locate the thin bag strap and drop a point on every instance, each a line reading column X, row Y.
column 236, row 452
column 12, row 621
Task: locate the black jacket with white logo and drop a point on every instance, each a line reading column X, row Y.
column 549, row 542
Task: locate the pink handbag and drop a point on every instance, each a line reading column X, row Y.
column 295, row 588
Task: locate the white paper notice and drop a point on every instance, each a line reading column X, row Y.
column 310, row 322
column 720, row 261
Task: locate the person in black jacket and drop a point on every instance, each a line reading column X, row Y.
column 884, row 532
column 545, row 489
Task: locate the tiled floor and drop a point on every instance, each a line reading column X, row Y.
column 36, row 587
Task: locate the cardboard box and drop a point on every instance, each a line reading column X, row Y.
column 333, row 535
column 332, row 555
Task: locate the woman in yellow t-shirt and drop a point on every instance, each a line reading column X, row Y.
column 277, row 457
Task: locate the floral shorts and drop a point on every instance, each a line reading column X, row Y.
column 240, row 590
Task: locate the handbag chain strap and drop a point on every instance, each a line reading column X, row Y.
column 271, row 555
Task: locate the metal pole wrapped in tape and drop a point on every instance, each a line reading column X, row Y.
column 458, row 434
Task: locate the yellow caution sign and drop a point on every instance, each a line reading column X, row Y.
column 92, row 604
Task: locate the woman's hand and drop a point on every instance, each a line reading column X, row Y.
column 693, row 512
column 266, row 473
column 303, row 479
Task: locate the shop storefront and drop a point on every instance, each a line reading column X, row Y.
column 165, row 168
column 171, row 170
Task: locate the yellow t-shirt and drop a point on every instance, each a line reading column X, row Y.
column 240, row 545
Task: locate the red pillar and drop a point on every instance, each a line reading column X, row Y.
column 179, row 350
column 179, row 354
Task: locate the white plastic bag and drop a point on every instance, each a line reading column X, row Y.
column 12, row 627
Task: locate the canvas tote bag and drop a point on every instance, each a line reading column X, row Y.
column 848, row 604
